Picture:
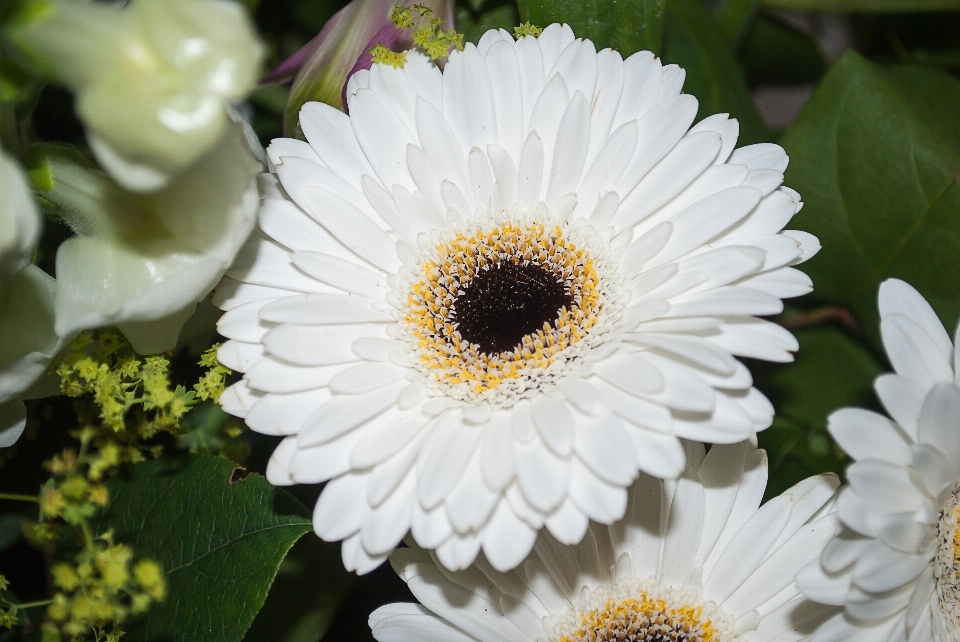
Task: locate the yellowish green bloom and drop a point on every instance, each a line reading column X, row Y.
column 154, row 80
column 142, row 261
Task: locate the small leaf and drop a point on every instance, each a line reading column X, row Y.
column 876, row 157
column 625, row 25
column 220, row 544
column 693, row 40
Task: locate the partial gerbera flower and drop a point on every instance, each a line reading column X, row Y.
column 692, row 561
column 896, row 566
column 488, row 297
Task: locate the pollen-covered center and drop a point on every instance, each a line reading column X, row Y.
column 499, row 306
column 946, row 568
column 506, row 302
column 643, row 619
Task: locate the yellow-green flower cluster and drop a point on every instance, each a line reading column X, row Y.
column 103, row 585
column 428, row 35
column 8, row 616
column 104, row 365
column 383, row 56
column 527, row 29
column 213, row 382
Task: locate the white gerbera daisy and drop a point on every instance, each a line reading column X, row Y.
column 489, row 296
column 693, row 561
column 896, row 568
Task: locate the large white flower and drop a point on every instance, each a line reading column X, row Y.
column 896, row 568
column 693, row 561
column 26, row 301
column 488, row 297
column 143, row 261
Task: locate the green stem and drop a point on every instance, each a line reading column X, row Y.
column 32, row 605
column 87, row 534
column 20, row 498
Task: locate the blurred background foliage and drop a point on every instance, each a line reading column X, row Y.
column 863, row 94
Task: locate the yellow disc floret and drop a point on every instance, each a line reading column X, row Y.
column 430, row 311
column 643, row 618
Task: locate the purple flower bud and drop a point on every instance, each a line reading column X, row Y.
column 321, row 69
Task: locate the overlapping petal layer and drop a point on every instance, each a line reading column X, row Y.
column 694, row 559
column 565, row 165
column 894, row 567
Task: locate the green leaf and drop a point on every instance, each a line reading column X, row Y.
column 832, row 370
column 693, row 41
column 734, row 18
column 220, row 542
column 876, row 157
column 775, row 53
column 309, row 587
column 628, row 26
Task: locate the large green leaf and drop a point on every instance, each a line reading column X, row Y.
column 219, row 536
column 876, row 157
column 693, row 40
column 832, row 369
column 625, row 25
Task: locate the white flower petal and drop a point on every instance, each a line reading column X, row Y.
column 849, row 426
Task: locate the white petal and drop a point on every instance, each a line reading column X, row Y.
column 867, row 435
column 883, row 569
column 604, row 446
column 340, row 507
column 386, row 436
column 444, row 459
column 939, row 423
column 684, row 527
column 470, row 503
column 321, row 309
column 382, row 527
column 554, row 423
column 543, row 477
column 507, row 540
column 597, row 499
column 345, row 412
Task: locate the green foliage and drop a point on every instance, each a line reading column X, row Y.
column 832, row 370
column 775, row 53
column 310, row 586
column 219, row 536
column 875, row 155
column 693, row 41
column 625, row 25
column 474, row 22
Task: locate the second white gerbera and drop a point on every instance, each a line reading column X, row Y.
column 693, row 561
column 896, row 568
column 488, row 297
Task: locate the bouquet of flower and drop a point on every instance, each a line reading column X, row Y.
column 598, row 320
